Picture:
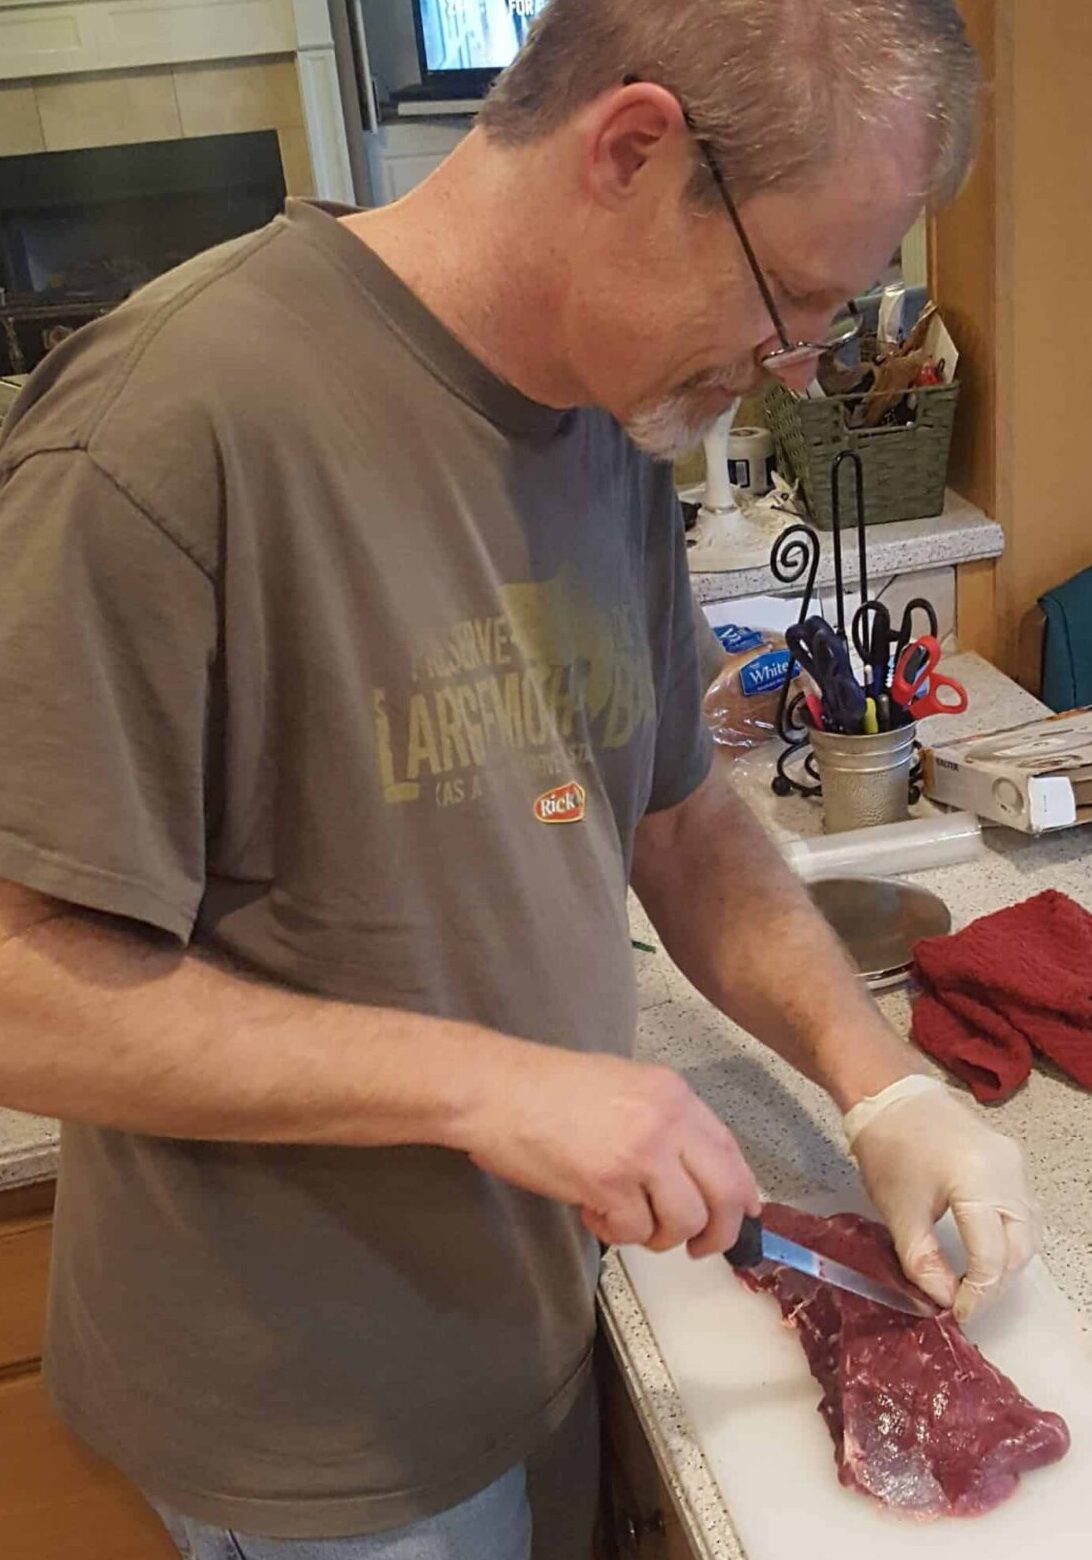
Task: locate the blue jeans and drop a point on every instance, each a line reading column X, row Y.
column 495, row 1524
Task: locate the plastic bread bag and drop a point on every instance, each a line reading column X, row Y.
column 742, row 701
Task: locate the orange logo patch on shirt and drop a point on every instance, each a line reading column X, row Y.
column 566, row 804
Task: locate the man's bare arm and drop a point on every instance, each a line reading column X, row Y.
column 103, row 1023
column 108, row 1023
column 744, row 931
column 740, row 926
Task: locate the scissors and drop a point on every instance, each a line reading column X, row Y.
column 876, row 642
column 873, row 638
column 823, row 655
column 916, row 687
column 906, row 627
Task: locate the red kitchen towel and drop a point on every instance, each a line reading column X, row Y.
column 1008, row 986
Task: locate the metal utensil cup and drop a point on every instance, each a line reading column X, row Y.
column 866, row 780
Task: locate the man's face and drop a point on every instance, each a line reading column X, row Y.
column 678, row 328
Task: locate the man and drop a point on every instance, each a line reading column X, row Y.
column 349, row 677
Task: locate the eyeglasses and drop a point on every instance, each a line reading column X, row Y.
column 790, row 354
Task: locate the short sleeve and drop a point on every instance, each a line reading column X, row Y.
column 712, row 655
column 107, row 643
column 684, row 748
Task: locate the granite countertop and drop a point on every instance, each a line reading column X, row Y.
column 791, row 1132
column 28, row 1148
column 962, row 534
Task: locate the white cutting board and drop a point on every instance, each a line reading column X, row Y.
column 751, row 1402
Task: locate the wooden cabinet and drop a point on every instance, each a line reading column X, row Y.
column 1009, row 271
column 25, row 1233
column 57, row 1500
column 637, row 1517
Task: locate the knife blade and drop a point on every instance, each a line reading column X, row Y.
column 757, row 1244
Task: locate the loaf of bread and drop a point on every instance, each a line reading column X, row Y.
column 741, row 703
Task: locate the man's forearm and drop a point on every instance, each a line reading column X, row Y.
column 744, row 931
column 105, row 1025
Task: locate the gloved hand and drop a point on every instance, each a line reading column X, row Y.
column 922, row 1151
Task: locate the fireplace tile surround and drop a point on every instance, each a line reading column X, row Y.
column 77, row 75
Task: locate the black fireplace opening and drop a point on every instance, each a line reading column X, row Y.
column 81, row 230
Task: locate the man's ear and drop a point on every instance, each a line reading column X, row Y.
column 629, row 132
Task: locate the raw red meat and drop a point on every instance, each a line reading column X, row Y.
column 920, row 1420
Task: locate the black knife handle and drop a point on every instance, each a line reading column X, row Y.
column 747, row 1251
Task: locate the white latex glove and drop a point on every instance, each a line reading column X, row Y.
column 922, row 1151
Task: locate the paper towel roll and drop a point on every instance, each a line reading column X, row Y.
column 750, row 460
column 719, row 497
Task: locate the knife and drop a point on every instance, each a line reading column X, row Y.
column 757, row 1244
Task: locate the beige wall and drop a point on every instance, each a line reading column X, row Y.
column 121, row 107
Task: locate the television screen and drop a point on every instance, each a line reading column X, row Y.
column 476, row 35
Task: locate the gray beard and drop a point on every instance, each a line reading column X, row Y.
column 677, row 425
column 669, row 431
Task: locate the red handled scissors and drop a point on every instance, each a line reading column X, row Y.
column 917, row 687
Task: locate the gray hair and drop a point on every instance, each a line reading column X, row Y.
column 776, row 88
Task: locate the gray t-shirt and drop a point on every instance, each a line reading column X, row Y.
column 321, row 645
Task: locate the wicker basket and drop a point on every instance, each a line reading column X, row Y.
column 905, row 469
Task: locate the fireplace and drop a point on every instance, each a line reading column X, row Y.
column 81, row 230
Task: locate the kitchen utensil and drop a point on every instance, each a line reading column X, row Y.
column 757, row 1244
column 748, row 1400
column 917, row 686
column 799, row 637
column 823, row 655
column 865, row 780
column 892, row 310
column 879, row 920
column 872, row 640
column 876, row 642
column 906, row 625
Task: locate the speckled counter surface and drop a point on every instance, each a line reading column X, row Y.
column 28, row 1149
column 790, row 1131
column 962, row 534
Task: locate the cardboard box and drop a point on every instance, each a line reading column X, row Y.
column 1036, row 777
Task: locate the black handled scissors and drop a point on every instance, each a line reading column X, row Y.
column 907, row 634
column 877, row 644
column 873, row 640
